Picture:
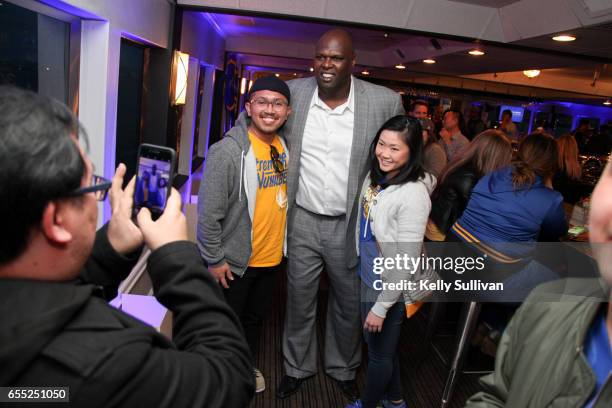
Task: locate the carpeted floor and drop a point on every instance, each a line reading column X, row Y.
column 423, row 373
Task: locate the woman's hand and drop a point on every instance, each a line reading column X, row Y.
column 373, row 323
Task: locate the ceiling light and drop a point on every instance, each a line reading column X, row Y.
column 365, row 72
column 277, row 75
column 476, row 52
column 607, row 102
column 531, row 73
column 386, row 35
column 311, row 69
column 400, row 66
column 429, row 61
column 564, row 38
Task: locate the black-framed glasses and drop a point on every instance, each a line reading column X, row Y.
column 277, row 163
column 99, row 186
column 263, row 103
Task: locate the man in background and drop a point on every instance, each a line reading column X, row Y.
column 419, row 109
column 508, row 127
column 451, row 137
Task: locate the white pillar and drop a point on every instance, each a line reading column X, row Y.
column 98, row 91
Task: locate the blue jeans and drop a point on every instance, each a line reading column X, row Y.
column 383, row 374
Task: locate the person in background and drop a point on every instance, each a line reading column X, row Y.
column 419, row 109
column 242, row 208
column 434, row 157
column 452, row 138
column 57, row 275
column 475, row 124
column 508, row 127
column 556, row 351
column 510, row 210
column 489, row 151
column 393, row 209
column 583, row 134
column 566, row 179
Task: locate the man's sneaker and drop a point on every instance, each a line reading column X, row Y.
column 354, row 404
column 260, row 382
column 389, row 404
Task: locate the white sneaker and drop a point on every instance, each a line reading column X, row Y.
column 260, row 382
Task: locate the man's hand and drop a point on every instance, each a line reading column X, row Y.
column 170, row 227
column 221, row 274
column 373, row 323
column 124, row 236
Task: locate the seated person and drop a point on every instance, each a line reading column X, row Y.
column 556, row 352
column 567, row 178
column 510, row 210
column 56, row 329
column 489, row 151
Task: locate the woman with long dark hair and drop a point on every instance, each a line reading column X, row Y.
column 393, row 210
column 489, row 151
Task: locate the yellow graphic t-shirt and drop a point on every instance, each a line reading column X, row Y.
column 270, row 213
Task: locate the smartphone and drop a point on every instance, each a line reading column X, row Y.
column 154, row 176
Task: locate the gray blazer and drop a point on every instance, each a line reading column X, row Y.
column 374, row 105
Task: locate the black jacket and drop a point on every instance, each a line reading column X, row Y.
column 62, row 334
column 451, row 197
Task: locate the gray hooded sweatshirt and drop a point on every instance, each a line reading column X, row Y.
column 226, row 201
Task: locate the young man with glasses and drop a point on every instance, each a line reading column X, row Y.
column 242, row 208
column 57, row 273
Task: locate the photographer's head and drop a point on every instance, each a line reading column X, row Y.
column 46, row 217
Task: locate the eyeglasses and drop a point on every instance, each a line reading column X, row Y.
column 262, row 103
column 277, row 163
column 99, row 186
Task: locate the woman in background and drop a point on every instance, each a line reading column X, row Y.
column 566, row 179
column 488, row 151
column 393, row 210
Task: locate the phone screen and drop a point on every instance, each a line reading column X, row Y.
column 153, row 180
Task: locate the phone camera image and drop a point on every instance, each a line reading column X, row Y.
column 152, row 184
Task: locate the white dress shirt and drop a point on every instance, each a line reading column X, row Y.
column 325, row 156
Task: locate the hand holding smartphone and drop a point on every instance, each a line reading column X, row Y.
column 154, row 176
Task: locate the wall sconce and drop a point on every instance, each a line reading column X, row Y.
column 243, row 84
column 180, row 70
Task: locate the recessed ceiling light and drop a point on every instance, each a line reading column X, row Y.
column 607, row 103
column 429, row 61
column 564, row 38
column 277, row 75
column 386, row 35
column 400, row 66
column 476, row 52
column 531, row 73
column 365, row 72
column 311, row 69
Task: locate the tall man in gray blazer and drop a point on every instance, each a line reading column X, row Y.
column 335, row 117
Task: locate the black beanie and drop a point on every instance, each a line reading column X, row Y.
column 271, row 83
